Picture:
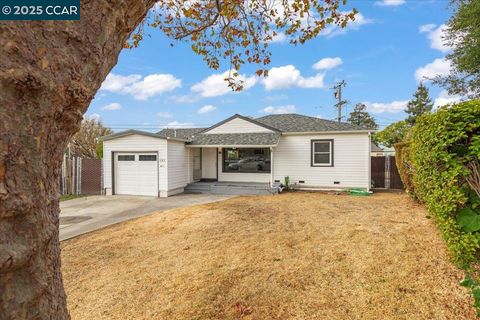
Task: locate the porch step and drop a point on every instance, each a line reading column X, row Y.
column 231, row 188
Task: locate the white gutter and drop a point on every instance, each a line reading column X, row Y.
column 229, row 146
column 325, row 132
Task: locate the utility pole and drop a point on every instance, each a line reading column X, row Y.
column 338, row 95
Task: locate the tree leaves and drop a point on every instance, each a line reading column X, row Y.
column 360, row 117
column 392, row 134
column 237, row 31
column 469, row 220
column 462, row 34
column 420, row 104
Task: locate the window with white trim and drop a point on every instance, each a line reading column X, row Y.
column 322, row 153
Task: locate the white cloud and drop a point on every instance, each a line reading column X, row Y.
column 436, row 36
column 279, row 109
column 154, row 84
column 280, row 37
column 390, row 3
column 288, row 76
column 215, row 84
column 141, row 89
column 176, row 125
column 327, row 63
column 444, row 98
column 392, row 107
column 186, row 98
column 206, row 109
column 94, row 116
column 163, row 114
column 427, row 27
column 439, row 67
column 112, row 106
column 332, row 31
column 117, row 83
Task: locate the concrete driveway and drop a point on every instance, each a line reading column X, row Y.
column 87, row 214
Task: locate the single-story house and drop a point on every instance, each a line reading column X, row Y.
column 314, row 153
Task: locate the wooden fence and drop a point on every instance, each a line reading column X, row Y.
column 81, row 176
column 385, row 173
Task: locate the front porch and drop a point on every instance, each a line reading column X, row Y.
column 231, row 187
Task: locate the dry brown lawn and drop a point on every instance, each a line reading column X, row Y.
column 291, row 256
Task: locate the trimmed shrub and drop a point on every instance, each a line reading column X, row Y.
column 404, row 166
column 442, row 145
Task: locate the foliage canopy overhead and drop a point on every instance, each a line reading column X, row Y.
column 463, row 35
column 240, row 31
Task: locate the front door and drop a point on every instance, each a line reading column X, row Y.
column 197, row 163
column 209, row 164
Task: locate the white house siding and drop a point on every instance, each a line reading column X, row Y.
column 134, row 143
column 178, row 165
column 240, row 176
column 238, row 125
column 292, row 157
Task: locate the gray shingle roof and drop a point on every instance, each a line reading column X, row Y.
column 236, row 139
column 281, row 122
column 300, row 123
column 185, row 133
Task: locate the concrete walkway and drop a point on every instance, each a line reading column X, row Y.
column 87, row 214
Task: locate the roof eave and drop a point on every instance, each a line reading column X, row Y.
column 231, row 145
column 326, row 132
column 142, row 133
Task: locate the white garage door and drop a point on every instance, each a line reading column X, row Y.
column 136, row 174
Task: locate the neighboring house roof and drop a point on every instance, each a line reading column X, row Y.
column 236, row 139
column 375, row 148
column 183, row 133
column 300, row 123
column 142, row 133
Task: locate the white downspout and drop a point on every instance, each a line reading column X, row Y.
column 369, row 179
column 271, row 167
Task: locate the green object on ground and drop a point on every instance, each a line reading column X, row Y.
column 358, row 192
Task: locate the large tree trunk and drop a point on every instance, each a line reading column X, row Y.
column 49, row 73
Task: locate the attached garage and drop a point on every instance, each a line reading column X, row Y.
column 144, row 164
column 136, row 174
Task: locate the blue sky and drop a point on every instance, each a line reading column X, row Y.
column 392, row 45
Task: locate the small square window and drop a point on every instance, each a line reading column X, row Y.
column 147, row 157
column 322, row 153
column 127, row 157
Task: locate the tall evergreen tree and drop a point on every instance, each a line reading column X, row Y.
column 360, row 117
column 420, row 104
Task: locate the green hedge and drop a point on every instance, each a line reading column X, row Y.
column 404, row 165
column 440, row 145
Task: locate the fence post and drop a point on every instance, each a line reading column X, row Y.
column 387, row 172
